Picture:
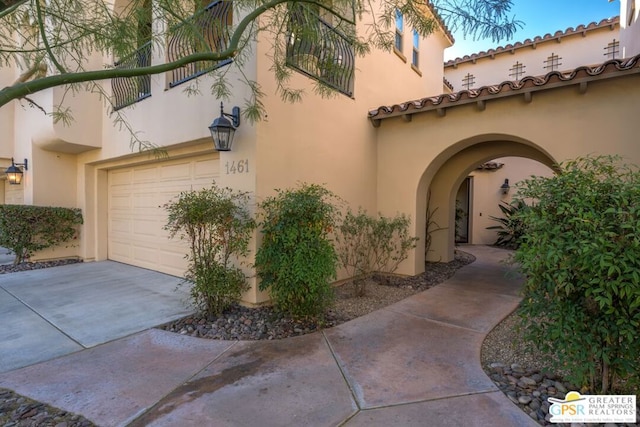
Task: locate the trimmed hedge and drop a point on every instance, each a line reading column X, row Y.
column 25, row 229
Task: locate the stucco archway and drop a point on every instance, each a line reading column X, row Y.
column 443, row 176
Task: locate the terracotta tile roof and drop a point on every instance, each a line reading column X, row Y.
column 610, row 22
column 447, row 83
column 580, row 76
column 490, row 166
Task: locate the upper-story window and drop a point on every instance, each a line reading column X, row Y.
column 319, row 46
column 207, row 30
column 129, row 90
column 415, row 58
column 517, row 70
column 552, row 63
column 468, row 81
column 399, row 30
column 612, row 51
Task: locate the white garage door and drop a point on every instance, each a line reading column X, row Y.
column 137, row 217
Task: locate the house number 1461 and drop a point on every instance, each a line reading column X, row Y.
column 233, row 167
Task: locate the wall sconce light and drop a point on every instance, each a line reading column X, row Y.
column 505, row 187
column 14, row 173
column 222, row 129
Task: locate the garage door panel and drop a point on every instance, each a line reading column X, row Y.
column 177, row 172
column 121, row 201
column 137, row 216
column 119, row 225
column 120, row 251
column 146, row 200
column 147, row 255
column 120, row 177
column 147, row 175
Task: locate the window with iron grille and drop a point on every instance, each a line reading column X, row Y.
column 319, row 46
column 612, row 50
column 552, row 63
column 206, row 31
column 468, row 81
column 517, row 70
column 129, row 90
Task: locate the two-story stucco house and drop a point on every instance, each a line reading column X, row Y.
column 396, row 139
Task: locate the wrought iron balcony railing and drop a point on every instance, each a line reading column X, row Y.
column 205, row 31
column 129, row 90
column 317, row 49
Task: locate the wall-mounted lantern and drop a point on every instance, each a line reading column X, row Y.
column 14, row 173
column 222, row 129
column 505, row 187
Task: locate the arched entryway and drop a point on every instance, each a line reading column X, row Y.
column 436, row 193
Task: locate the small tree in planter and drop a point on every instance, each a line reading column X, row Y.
column 296, row 260
column 217, row 223
column 581, row 258
column 371, row 245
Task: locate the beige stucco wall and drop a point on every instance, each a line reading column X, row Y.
column 486, row 194
column 574, row 50
column 437, row 153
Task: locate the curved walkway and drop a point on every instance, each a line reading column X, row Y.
column 414, row 363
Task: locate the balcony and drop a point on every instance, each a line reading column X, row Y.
column 205, row 31
column 129, row 90
column 316, row 49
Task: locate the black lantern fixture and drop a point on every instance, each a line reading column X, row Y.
column 222, row 129
column 505, row 187
column 14, row 173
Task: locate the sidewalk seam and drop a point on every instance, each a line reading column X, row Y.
column 45, row 319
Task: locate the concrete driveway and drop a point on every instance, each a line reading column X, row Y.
column 6, row 257
column 55, row 311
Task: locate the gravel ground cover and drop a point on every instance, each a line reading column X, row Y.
column 518, row 369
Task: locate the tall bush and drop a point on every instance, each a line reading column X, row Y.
column 581, row 259
column 218, row 226
column 25, row 229
column 369, row 245
column 296, row 260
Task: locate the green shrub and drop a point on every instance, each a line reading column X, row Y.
column 296, row 260
column 371, row 245
column 511, row 228
column 25, row 229
column 217, row 223
column 581, row 259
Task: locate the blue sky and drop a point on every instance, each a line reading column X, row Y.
column 541, row 17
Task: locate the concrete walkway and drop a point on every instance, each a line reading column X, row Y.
column 414, row 363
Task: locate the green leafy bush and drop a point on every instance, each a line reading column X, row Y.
column 581, row 259
column 371, row 245
column 511, row 228
column 25, row 229
column 296, row 260
column 218, row 225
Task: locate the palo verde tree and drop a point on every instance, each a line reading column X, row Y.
column 56, row 43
